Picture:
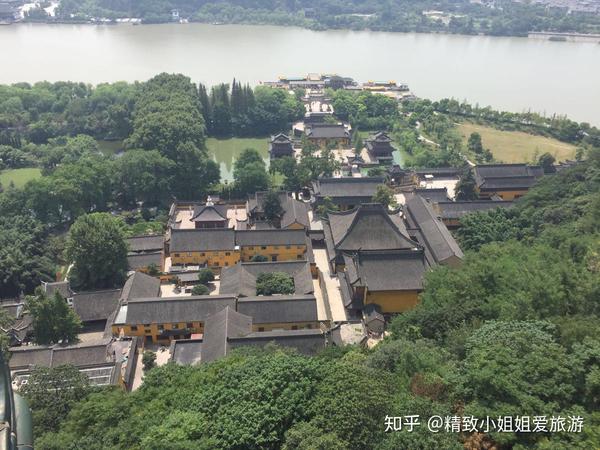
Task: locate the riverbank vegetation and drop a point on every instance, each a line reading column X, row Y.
column 525, row 341
column 505, row 18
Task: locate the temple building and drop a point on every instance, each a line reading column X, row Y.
column 507, row 181
column 426, row 228
column 324, row 134
column 294, row 213
column 379, row 146
column 280, row 145
column 345, row 193
column 209, row 216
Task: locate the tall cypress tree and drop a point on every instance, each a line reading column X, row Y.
column 221, row 110
column 206, row 109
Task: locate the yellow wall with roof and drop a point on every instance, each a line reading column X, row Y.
column 154, row 330
column 281, row 252
column 393, row 301
column 219, row 258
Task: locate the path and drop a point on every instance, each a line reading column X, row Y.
column 336, row 305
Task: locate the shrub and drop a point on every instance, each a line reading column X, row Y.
column 274, row 283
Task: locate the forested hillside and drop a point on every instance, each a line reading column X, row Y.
column 464, row 17
column 513, row 332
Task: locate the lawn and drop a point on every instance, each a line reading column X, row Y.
column 516, row 146
column 225, row 152
column 18, row 176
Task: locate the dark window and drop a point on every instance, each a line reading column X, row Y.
column 294, row 327
column 189, row 325
column 175, row 326
column 264, row 247
column 133, row 327
column 261, row 328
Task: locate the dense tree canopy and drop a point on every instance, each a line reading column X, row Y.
column 511, row 18
column 97, row 249
column 272, row 283
column 53, row 320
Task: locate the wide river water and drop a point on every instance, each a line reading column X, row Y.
column 514, row 74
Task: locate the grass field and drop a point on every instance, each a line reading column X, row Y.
column 18, row 176
column 516, row 146
column 225, row 152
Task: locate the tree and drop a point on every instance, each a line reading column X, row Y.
column 385, row 196
column 474, row 144
column 194, row 172
column 357, row 143
column 97, row 248
column 483, row 227
column 51, row 393
column 271, row 283
column 465, row 188
column 148, row 360
column 25, row 260
column 546, row 160
column 326, row 207
column 307, row 436
column 53, row 320
column 200, row 289
column 249, row 173
column 272, row 206
column 205, row 276
column 144, row 176
column 153, row 270
column 514, row 368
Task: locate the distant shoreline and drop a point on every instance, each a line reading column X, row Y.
column 539, row 35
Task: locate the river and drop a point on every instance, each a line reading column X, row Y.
column 514, row 74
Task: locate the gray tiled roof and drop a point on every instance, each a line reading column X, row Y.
column 307, row 342
column 202, row 240
column 241, row 278
column 368, row 227
column 148, row 243
column 389, row 271
column 219, row 328
column 96, row 305
column 506, row 176
column 456, row 210
column 209, row 213
column 175, row 309
column 361, row 187
column 191, row 351
column 435, row 195
column 142, row 260
column 279, row 308
column 438, row 240
column 187, row 352
column 246, row 238
column 140, row 285
column 62, row 287
column 79, row 355
column 327, row 131
column 281, row 139
column 439, row 171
